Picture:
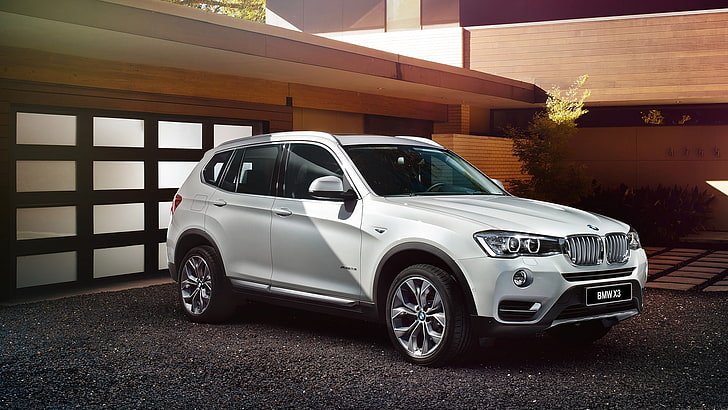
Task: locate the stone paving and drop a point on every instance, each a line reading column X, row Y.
column 688, row 269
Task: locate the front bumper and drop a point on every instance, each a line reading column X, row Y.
column 555, row 296
column 569, row 308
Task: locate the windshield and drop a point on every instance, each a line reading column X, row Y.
column 405, row 170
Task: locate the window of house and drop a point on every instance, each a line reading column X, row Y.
column 403, row 15
column 438, row 12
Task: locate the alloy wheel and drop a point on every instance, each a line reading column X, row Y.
column 196, row 287
column 418, row 316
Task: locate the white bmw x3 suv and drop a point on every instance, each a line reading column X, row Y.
column 397, row 230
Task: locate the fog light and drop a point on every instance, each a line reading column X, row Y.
column 520, row 278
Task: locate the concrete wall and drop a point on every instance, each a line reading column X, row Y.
column 667, row 155
column 441, row 45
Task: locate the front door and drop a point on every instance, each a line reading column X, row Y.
column 316, row 243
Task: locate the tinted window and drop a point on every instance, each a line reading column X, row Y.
column 230, row 180
column 410, row 170
column 213, row 170
column 306, row 163
column 256, row 173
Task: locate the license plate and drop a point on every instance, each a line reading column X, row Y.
column 600, row 295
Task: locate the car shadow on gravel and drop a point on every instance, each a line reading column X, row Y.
column 312, row 323
column 506, row 353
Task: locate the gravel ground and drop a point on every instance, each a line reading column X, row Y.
column 134, row 349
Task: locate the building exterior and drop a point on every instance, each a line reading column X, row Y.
column 667, row 57
column 105, row 105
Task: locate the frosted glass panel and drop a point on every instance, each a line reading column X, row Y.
column 223, row 133
column 118, row 218
column 184, row 135
column 118, row 132
column 45, row 129
column 172, row 173
column 118, row 261
column 38, row 176
column 164, row 214
column 163, row 256
column 118, row 175
column 53, row 222
column 36, row 270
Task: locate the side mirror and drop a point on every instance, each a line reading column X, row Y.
column 330, row 187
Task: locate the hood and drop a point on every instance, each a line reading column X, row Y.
column 511, row 213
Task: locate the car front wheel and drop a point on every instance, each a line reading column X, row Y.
column 204, row 290
column 426, row 317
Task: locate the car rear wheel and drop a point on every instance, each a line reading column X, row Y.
column 426, row 317
column 204, row 291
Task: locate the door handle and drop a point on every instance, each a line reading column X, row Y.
column 219, row 202
column 283, row 212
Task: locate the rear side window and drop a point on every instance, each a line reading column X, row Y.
column 230, row 180
column 250, row 170
column 213, row 170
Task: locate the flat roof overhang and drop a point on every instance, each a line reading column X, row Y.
column 167, row 35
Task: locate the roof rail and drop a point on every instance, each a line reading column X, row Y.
column 422, row 140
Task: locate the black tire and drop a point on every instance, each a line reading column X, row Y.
column 455, row 333
column 205, row 293
column 579, row 335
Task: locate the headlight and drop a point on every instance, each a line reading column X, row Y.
column 503, row 244
column 634, row 240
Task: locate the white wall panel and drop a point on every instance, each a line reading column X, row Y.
column 42, row 176
column 47, row 222
column 118, row 175
column 45, row 129
column 118, row 132
column 36, row 270
column 118, row 261
column 181, row 135
column 118, row 218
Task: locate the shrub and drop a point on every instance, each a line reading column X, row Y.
column 661, row 215
column 542, row 149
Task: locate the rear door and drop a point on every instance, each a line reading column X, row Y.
column 316, row 243
column 240, row 214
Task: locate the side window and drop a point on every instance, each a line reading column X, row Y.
column 256, row 173
column 305, row 163
column 230, row 180
column 213, row 170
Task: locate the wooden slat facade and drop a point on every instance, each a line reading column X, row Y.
column 663, row 59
